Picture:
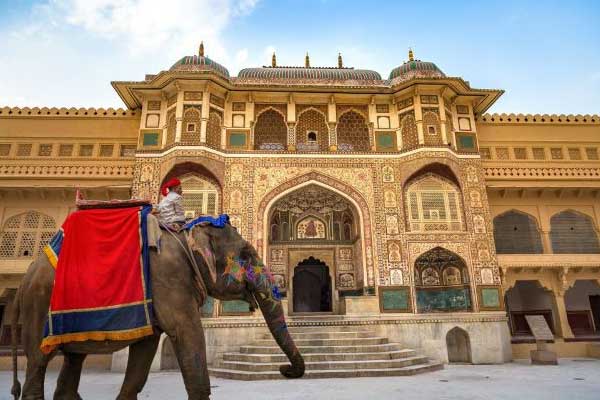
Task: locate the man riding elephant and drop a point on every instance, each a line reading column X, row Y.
column 215, row 258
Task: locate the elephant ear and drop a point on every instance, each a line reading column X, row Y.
column 199, row 242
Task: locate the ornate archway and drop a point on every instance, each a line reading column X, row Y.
column 367, row 256
column 442, row 282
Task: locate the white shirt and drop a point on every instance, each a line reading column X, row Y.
column 171, row 209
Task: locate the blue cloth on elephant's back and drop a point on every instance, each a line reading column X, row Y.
column 218, row 222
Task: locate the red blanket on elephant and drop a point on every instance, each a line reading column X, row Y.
column 101, row 286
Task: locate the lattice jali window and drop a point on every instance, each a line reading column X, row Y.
column 171, row 127
column 434, row 205
column 213, row 129
column 408, row 126
column 190, row 131
column 573, row 233
column 517, row 233
column 315, row 122
column 270, row 131
column 432, row 128
column 26, row 234
column 353, row 132
column 200, row 196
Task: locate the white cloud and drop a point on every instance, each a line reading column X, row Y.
column 145, row 26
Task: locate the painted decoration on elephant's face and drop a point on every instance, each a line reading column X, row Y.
column 311, row 228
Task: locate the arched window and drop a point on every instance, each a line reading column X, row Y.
column 517, row 233
column 190, row 130
column 171, row 127
column 441, row 282
column 200, row 196
column 312, row 132
column 433, row 205
column 410, row 138
column 270, row 131
column 25, row 235
column 432, row 128
column 573, row 233
column 353, row 132
column 213, row 129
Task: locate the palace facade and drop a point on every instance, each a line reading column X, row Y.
column 393, row 202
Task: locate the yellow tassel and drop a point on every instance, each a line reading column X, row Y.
column 49, row 343
column 51, row 256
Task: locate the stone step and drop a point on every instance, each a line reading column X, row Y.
column 329, row 328
column 324, row 365
column 339, row 373
column 308, row 357
column 324, row 335
column 301, row 342
column 250, row 349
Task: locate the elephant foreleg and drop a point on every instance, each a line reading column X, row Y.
column 139, row 362
column 190, row 348
column 68, row 379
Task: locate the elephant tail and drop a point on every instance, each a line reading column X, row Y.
column 16, row 388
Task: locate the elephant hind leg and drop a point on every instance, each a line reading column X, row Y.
column 33, row 387
column 68, row 379
column 139, row 362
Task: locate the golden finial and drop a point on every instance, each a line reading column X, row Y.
column 340, row 63
column 411, row 56
column 273, row 60
column 201, row 49
column 307, row 61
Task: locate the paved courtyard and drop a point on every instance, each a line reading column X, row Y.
column 576, row 379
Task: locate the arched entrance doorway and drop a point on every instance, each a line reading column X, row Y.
column 314, row 220
column 312, row 286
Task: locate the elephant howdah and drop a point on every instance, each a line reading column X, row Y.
column 204, row 260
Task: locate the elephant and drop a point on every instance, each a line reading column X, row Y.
column 217, row 255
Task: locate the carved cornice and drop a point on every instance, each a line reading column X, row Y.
column 539, row 119
column 91, row 169
column 541, row 173
column 548, row 261
column 46, row 112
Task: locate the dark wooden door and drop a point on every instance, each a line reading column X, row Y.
column 312, row 286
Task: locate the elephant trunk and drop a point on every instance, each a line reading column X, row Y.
column 273, row 313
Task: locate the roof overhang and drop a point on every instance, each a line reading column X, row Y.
column 133, row 92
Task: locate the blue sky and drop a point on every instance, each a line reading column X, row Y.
column 545, row 54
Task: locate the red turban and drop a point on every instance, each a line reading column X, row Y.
column 171, row 183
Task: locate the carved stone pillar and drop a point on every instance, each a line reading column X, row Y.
column 291, row 136
column 332, row 136
column 372, row 136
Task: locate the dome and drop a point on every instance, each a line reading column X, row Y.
column 200, row 63
column 328, row 74
column 416, row 69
